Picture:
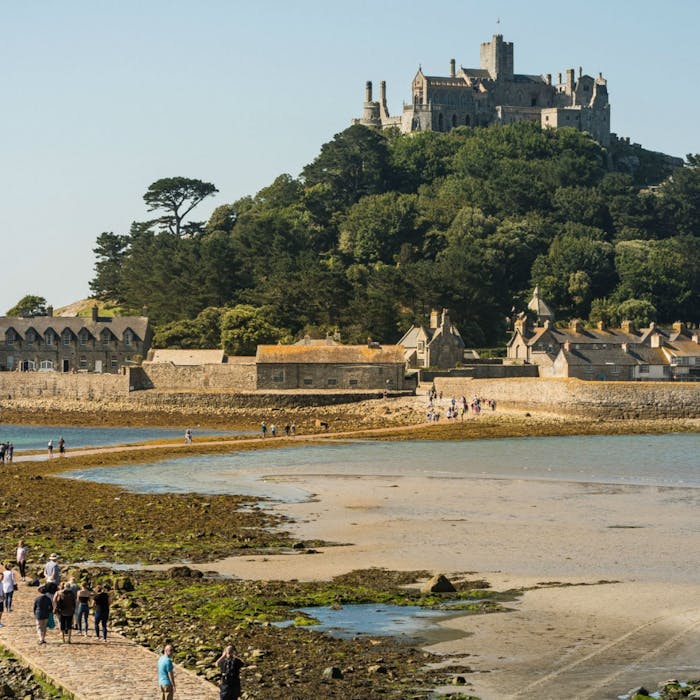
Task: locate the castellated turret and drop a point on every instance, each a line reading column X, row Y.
column 494, row 93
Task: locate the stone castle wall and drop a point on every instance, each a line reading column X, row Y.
column 612, row 400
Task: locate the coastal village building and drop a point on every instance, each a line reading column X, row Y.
column 438, row 345
column 72, row 344
column 494, row 93
column 600, row 353
column 329, row 365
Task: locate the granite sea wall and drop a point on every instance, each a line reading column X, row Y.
column 612, row 400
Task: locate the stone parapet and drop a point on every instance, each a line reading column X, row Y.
column 611, row 400
column 14, row 385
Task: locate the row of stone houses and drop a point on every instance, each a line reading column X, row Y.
column 72, row 344
column 600, row 353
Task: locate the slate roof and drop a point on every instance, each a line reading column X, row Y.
column 329, row 354
column 611, row 356
column 683, row 347
column 116, row 324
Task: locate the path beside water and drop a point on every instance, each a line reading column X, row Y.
column 87, row 669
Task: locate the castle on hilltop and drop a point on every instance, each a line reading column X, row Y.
column 494, row 93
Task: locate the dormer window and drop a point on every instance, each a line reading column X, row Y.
column 10, row 337
column 128, row 337
column 31, row 337
column 66, row 337
column 48, row 338
column 105, row 337
column 83, row 336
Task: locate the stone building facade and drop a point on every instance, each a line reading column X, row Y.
column 72, row 344
column 494, row 93
column 438, row 345
column 330, row 366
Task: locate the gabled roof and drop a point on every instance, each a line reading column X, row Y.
column 188, row 357
column 682, row 347
column 329, row 354
column 116, row 324
column 413, row 334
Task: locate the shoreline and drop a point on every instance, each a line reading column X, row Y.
column 610, row 576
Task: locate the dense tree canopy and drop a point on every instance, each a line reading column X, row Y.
column 380, row 227
column 28, row 306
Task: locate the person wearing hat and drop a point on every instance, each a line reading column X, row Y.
column 52, row 573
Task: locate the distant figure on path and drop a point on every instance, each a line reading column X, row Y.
column 50, row 448
column 22, row 559
column 273, row 430
column 61, row 446
column 52, row 574
column 263, row 428
column 188, row 436
column 100, row 602
column 287, row 428
column 9, row 585
column 2, row 598
column 166, row 673
column 230, row 666
column 42, row 609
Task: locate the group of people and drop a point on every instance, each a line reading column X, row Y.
column 69, row 602
column 7, row 450
column 289, row 429
column 61, row 447
column 457, row 409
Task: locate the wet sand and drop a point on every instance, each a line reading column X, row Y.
column 636, row 621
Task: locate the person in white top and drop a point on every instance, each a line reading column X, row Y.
column 9, row 583
column 22, row 559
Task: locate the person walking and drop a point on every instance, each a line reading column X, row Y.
column 230, row 666
column 21, row 559
column 49, row 447
column 84, row 596
column 52, row 574
column 100, row 602
column 61, row 446
column 43, row 607
column 64, row 607
column 9, row 585
column 166, row 673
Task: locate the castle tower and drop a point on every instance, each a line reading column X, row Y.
column 497, row 58
column 370, row 112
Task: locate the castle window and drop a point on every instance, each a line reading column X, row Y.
column 441, row 123
column 113, row 363
column 128, row 337
column 643, row 369
column 454, row 120
column 332, row 382
column 83, row 362
column 30, row 338
column 48, row 338
column 467, row 120
column 533, row 102
column 308, row 381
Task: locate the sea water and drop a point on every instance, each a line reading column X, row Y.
column 646, row 460
column 36, row 437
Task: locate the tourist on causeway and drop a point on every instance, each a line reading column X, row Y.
column 166, row 673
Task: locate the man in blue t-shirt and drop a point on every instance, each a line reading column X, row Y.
column 166, row 677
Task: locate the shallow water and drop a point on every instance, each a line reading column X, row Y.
column 648, row 460
column 36, row 437
column 409, row 623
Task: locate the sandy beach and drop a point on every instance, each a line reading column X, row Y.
column 636, row 619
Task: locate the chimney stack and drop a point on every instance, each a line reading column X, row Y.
column 368, row 91
column 49, row 310
column 94, row 312
column 453, row 66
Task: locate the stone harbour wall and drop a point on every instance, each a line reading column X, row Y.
column 19, row 385
column 616, row 400
column 235, row 376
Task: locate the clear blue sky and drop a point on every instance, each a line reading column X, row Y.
column 101, row 98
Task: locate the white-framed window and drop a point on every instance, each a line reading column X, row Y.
column 10, row 337
column 113, row 363
column 83, row 362
column 48, row 338
column 128, row 337
column 30, row 338
column 46, row 365
column 278, row 375
column 66, row 337
column 83, row 336
column 643, row 369
column 105, row 337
